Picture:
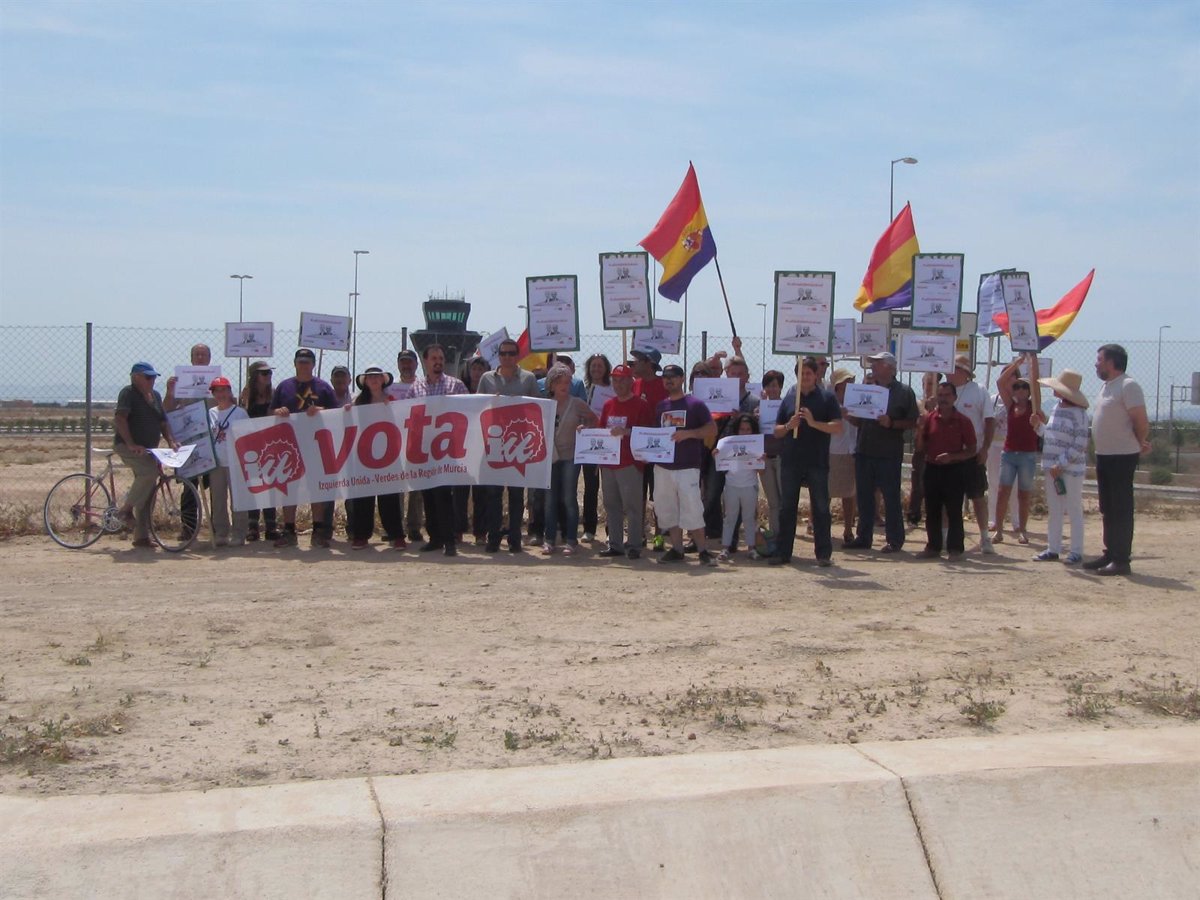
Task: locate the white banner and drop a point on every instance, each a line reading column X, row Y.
column 381, row 448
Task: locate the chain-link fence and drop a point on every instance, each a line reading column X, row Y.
column 45, row 373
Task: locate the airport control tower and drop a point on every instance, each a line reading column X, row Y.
column 446, row 324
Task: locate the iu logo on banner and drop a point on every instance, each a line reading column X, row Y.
column 513, row 436
column 270, row 458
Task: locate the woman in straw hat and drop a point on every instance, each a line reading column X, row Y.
column 360, row 521
column 1064, row 458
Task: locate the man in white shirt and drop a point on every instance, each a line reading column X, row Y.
column 974, row 403
column 1121, row 433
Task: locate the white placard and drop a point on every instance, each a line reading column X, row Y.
column 926, row 352
column 1045, row 367
column 172, row 459
column 489, row 347
column 843, row 337
column 870, row 339
column 866, row 401
column 720, row 395
column 597, row 447
column 191, row 382
column 663, row 335
column 990, row 299
column 246, row 339
column 652, row 445
column 552, row 303
column 1022, row 317
column 322, row 332
column 740, row 451
column 768, row 412
column 601, row 394
column 190, row 425
column 937, row 291
column 803, row 312
column 625, row 290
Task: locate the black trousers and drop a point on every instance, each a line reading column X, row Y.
column 1114, row 479
column 494, row 514
column 944, row 490
column 360, row 521
column 439, row 515
column 470, row 509
column 591, row 499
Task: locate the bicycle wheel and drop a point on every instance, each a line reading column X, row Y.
column 169, row 527
column 76, row 510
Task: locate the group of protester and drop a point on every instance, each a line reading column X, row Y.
column 964, row 440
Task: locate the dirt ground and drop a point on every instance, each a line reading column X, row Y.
column 124, row 670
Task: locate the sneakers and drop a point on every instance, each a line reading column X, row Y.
column 985, row 546
column 1046, row 556
column 1072, row 559
column 285, row 539
column 724, row 556
column 400, row 543
column 547, row 549
column 252, row 533
column 611, row 552
column 690, row 547
column 706, row 558
column 889, row 548
column 588, row 536
column 824, row 562
column 671, row 556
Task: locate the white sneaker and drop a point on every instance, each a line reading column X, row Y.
column 986, row 546
column 588, row 536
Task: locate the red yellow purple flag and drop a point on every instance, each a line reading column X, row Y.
column 888, row 282
column 1053, row 322
column 681, row 241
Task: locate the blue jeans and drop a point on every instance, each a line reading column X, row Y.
column 564, row 489
column 872, row 472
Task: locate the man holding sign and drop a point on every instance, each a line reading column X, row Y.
column 677, row 491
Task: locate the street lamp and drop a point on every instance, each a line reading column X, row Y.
column 241, row 283
column 354, row 313
column 1158, row 373
column 764, row 335
column 908, row 160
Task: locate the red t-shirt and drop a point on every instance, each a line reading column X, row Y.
column 652, row 390
column 946, row 435
column 1021, row 437
column 617, row 413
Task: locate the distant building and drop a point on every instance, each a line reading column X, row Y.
column 446, row 324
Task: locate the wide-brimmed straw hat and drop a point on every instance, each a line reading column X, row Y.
column 1067, row 385
column 373, row 370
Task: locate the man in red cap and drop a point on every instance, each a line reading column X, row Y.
column 622, row 483
column 220, row 419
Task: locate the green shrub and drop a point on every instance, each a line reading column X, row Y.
column 1161, row 475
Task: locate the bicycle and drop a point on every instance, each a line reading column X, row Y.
column 79, row 509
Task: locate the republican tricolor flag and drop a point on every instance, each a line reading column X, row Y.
column 888, row 282
column 681, row 241
column 1053, row 322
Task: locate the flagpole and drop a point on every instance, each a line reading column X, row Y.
column 728, row 312
column 685, row 331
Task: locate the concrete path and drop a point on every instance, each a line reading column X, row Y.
column 1090, row 814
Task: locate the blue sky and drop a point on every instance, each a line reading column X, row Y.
column 150, row 150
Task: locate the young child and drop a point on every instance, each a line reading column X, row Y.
column 1064, row 459
column 220, row 418
column 741, row 492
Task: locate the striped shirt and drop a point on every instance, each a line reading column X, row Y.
column 1065, row 440
column 446, row 384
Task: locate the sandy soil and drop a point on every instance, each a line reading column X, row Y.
column 148, row 672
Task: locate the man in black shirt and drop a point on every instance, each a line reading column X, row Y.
column 140, row 423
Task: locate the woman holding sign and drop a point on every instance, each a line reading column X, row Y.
column 1018, row 461
column 597, row 378
column 372, row 387
column 570, row 413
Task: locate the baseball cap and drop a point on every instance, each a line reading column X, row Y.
column 622, row 372
column 219, row 382
column 342, row 369
column 305, row 353
column 143, row 368
column 406, row 354
column 652, row 356
column 883, row 357
column 673, row 371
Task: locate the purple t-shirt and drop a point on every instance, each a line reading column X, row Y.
column 299, row 395
column 686, row 412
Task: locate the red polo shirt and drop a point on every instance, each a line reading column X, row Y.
column 951, row 434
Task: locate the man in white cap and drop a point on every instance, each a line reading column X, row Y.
column 974, row 403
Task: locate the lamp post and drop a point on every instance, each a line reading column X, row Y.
column 764, row 335
column 354, row 313
column 908, row 160
column 1158, row 373
column 241, row 283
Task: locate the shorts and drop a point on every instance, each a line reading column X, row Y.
column 1018, row 466
column 677, row 502
column 976, row 481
